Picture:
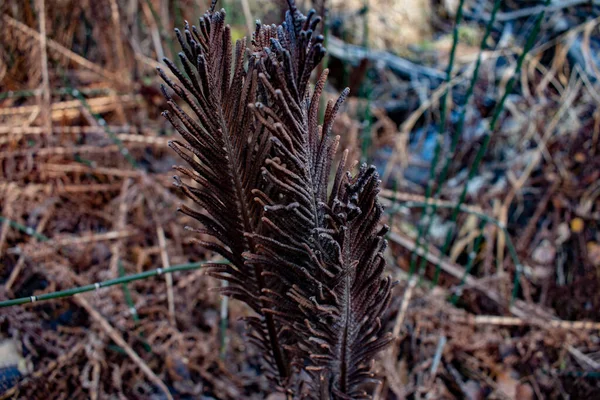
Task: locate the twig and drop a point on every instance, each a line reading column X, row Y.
column 60, row 49
column 437, row 357
column 7, row 210
column 114, row 13
column 478, row 214
column 451, row 268
column 3, row 233
column 21, row 261
column 80, row 168
column 396, row 196
column 70, row 150
column 527, row 12
column 72, row 108
column 154, row 28
column 454, row 270
column 49, row 246
column 403, row 308
column 527, row 233
column 119, row 226
column 516, row 321
column 583, row 359
column 118, row 339
column 44, row 64
column 50, row 189
column 352, row 53
column 248, row 16
column 164, row 256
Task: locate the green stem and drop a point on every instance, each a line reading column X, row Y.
column 127, row 294
column 224, row 323
column 103, row 284
column 102, row 122
column 460, row 127
column 25, row 229
column 440, row 135
column 486, row 139
column 471, row 260
column 509, row 244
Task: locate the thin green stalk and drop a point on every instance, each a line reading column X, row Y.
column 393, row 205
column 178, row 16
column 440, row 135
column 509, row 244
column 103, row 284
column 132, row 309
column 486, row 139
column 25, row 229
column 366, row 91
column 127, row 294
column 470, row 262
column 460, row 127
column 76, row 93
column 102, row 122
column 366, row 131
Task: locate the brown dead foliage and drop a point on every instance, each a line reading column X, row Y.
column 103, row 216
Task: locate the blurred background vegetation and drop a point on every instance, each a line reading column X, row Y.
column 481, row 115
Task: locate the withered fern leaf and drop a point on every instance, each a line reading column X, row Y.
column 305, row 255
column 225, row 149
column 325, row 250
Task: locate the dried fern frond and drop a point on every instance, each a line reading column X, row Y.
column 323, row 251
column 309, row 263
column 225, row 149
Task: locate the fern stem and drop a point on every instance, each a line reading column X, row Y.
column 278, row 355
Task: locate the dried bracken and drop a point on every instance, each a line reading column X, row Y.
column 307, row 262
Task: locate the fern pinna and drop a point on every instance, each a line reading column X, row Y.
column 308, row 262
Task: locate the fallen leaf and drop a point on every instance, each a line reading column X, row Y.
column 577, row 225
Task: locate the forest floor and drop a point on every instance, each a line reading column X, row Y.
column 498, row 292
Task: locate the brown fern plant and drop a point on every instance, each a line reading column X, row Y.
column 306, row 256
